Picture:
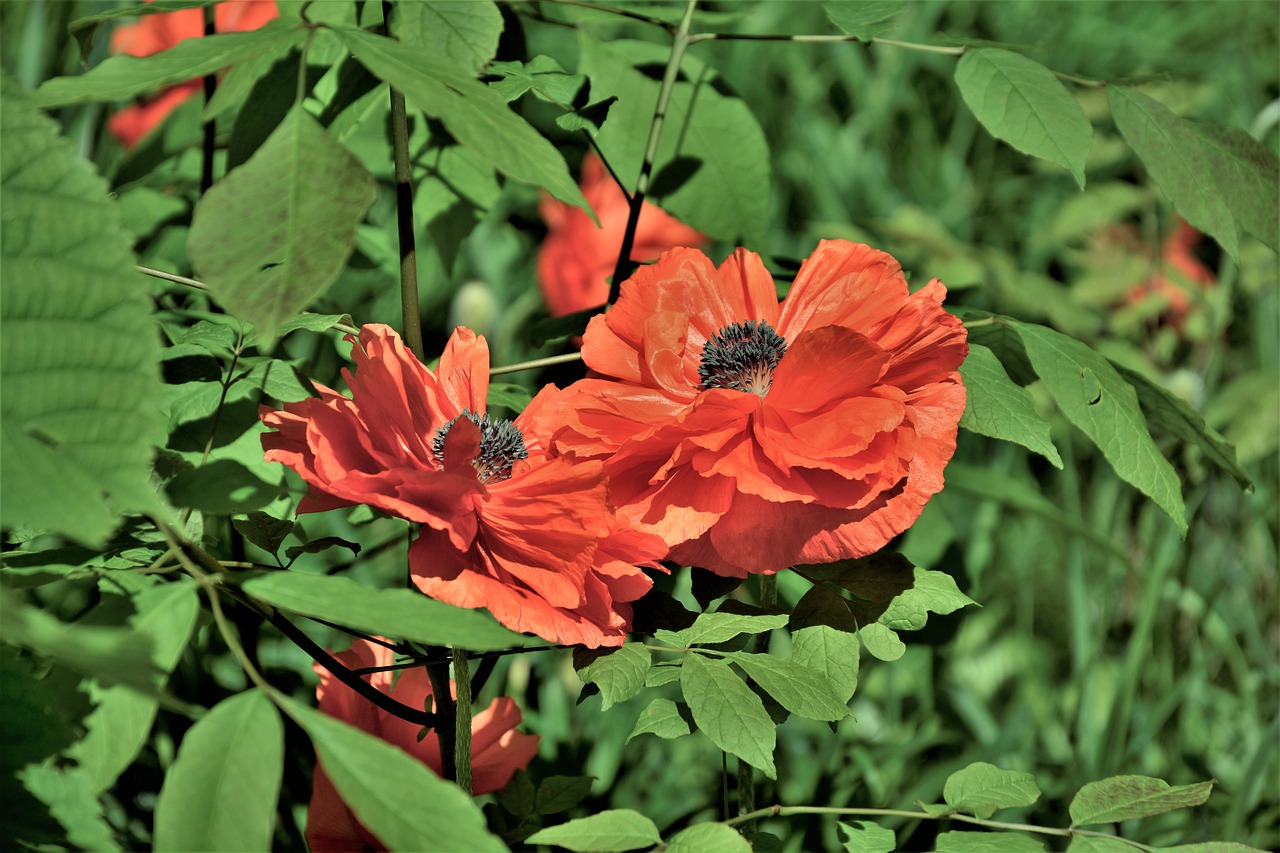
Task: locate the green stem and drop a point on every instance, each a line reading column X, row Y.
column 536, row 363
column 622, row 268
column 462, row 723
column 410, row 310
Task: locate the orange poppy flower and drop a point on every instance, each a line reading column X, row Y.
column 497, row 749
column 1178, row 274
column 754, row 436
column 506, row 526
column 155, row 33
column 577, row 257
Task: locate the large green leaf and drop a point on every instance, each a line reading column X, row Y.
column 395, row 796
column 796, row 687
column 79, row 357
column 1130, row 797
column 998, row 407
column 1096, row 399
column 1020, row 101
column 832, row 652
column 619, row 673
column 714, row 135
column 1247, row 173
column 702, row 837
column 609, row 831
column 220, row 793
column 462, row 32
column 270, row 236
column 123, row 77
column 476, row 116
column 1178, row 160
column 983, row 788
column 400, row 613
column 729, row 712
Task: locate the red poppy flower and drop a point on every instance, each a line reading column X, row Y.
column 532, row 538
column 578, row 257
column 754, row 436
column 497, row 749
column 154, row 33
column 1178, row 275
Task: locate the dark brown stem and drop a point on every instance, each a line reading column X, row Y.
column 210, row 127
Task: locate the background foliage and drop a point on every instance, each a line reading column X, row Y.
column 1106, row 644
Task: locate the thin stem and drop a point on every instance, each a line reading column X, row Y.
column 462, row 722
column 410, row 312
column 1081, row 81
column 622, row 269
column 210, row 126
column 582, row 4
column 536, row 363
column 300, row 92
column 829, row 39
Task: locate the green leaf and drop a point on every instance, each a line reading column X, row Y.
column 864, row 836
column 983, row 788
column 608, row 831
column 1178, row 160
column 619, row 673
column 507, row 394
column 729, row 712
column 882, row 642
column 932, row 592
column 265, row 531
column 79, row 357
column 1246, row 172
column 987, row 842
column 998, row 407
column 727, row 195
column 221, row 487
column 461, row 32
column 220, row 793
column 1096, row 399
column 864, row 19
column 1129, row 797
column 561, row 793
column 35, row 724
column 1020, row 101
column 1164, row 409
column 396, row 797
column 1099, row 844
column 122, row 77
column 271, row 235
column 662, row 718
column 317, row 546
column 73, row 802
column 314, row 322
column 400, row 613
column 589, row 118
column 796, row 687
column 1211, row 847
column 711, row 628
column 831, row 652
column 702, row 837
column 542, row 75
column 473, row 113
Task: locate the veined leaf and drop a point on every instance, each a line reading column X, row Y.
column 702, row 837
column 983, row 788
column 932, row 592
column 728, row 712
column 796, row 687
column 609, row 831
column 462, row 32
column 1247, row 173
column 1129, row 797
column 832, row 652
column 270, row 236
column 997, row 407
column 711, row 628
column 1020, row 101
column 619, row 673
column 662, row 718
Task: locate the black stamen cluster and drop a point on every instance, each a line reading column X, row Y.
column 501, row 444
column 741, row 357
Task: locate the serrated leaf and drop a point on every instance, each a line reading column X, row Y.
column 73, row 803
column 619, row 673
column 864, row 836
column 400, row 613
column 987, row 842
column 393, row 795
column 269, row 237
column 79, row 357
column 473, row 113
column 120, row 78
column 1247, row 174
column 796, row 687
column 662, row 717
column 660, row 675
column 221, row 487
column 1020, row 101
column 983, row 788
column 220, row 793
column 1177, row 159
column 881, row 642
column 995, row 406
column 932, row 592
column 462, row 32
column 1129, row 797
column 608, row 831
column 702, row 837
column 864, row 19
column 561, row 793
column 729, row 712
column 711, row 628
column 833, row 652
column 1096, row 399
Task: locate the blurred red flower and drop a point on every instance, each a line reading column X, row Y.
column 1178, row 274
column 532, row 538
column 497, row 749
column 753, row 436
column 578, row 257
column 161, row 31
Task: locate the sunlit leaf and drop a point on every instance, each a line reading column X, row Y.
column 728, row 712
column 796, row 687
column 996, row 406
column 833, row 652
column 702, row 837
column 711, row 628
column 608, row 831
column 983, row 788
column 864, row 836
column 987, row 842
column 462, row 32
column 619, row 673
column 663, row 718
column 1129, row 797
column 865, row 19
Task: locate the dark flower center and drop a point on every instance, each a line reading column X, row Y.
column 742, row 357
column 501, row 444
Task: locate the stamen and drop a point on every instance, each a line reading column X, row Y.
column 742, row 357
column 501, row 444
